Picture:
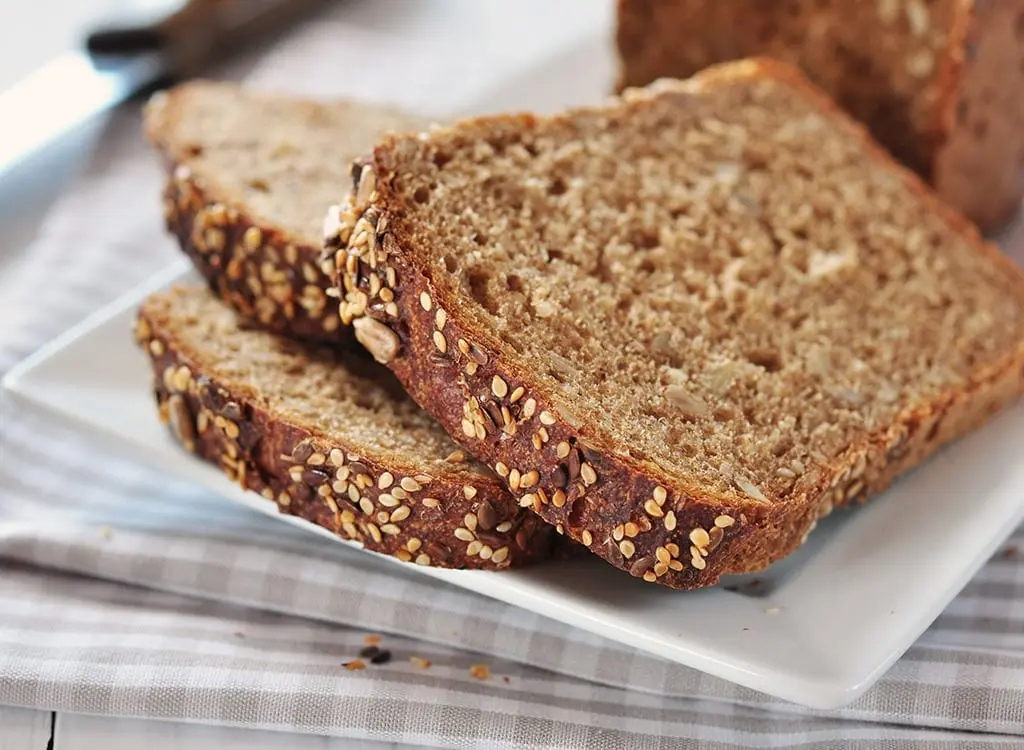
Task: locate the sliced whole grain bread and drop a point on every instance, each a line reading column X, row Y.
column 329, row 436
column 250, row 177
column 938, row 82
column 685, row 325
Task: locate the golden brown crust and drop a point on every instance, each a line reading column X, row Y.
column 649, row 525
column 464, row 521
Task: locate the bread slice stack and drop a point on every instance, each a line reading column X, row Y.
column 676, row 329
column 256, row 375
column 683, row 326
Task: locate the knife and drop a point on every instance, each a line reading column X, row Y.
column 163, row 41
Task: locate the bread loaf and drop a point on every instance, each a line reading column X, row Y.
column 939, row 83
column 683, row 326
column 330, row 437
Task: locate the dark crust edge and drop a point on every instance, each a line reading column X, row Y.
column 265, row 273
column 448, row 383
column 225, row 426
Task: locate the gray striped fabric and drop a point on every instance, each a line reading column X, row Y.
column 113, row 600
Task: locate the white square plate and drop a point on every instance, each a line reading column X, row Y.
column 818, row 628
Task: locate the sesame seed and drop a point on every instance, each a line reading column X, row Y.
column 439, row 342
column 374, row 532
column 469, row 491
column 662, row 555
column 464, row 534
column 618, row 532
column 474, row 547
column 423, row 559
column 399, row 493
column 388, row 500
column 401, row 513
column 587, row 537
column 587, row 473
column 500, row 555
column 673, row 549
column 537, row 442
column 430, row 502
column 503, row 527
column 631, row 530
column 425, row 302
column 785, row 473
column 699, row 562
column 558, row 498
column 547, row 418
column 480, row 432
column 501, row 469
column 513, row 479
column 660, row 569
column 385, row 480
column 468, row 429
column 700, row 537
column 156, row 347
column 386, row 294
column 480, row 671
column 410, row 485
column 421, row 663
column 529, row 479
column 627, row 548
column 670, row 521
column 516, row 394
column 724, row 521
column 543, row 432
column 527, row 500
column 675, row 565
column 529, row 407
column 337, row 459
column 653, row 508
column 365, row 505
column 486, row 552
column 413, row 544
column 456, row 457
column 403, row 555
column 252, row 238
column 650, row 577
column 562, row 450
column 499, row 387
column 470, row 368
column 355, row 664
column 440, row 318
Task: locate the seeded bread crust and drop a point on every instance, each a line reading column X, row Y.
column 265, row 273
column 266, row 268
column 937, row 82
column 664, row 532
column 467, row 520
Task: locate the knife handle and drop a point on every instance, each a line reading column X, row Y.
column 199, row 31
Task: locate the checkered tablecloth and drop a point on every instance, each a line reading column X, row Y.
column 128, row 593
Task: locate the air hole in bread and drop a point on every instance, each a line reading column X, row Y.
column 259, row 185
column 421, row 195
column 557, row 187
column 514, row 283
column 451, row 263
column 479, row 290
column 194, row 150
column 441, row 158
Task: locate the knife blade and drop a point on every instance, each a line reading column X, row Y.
column 118, row 62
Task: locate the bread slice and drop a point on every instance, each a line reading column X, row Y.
column 685, row 325
column 939, row 83
column 251, row 175
column 329, row 436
